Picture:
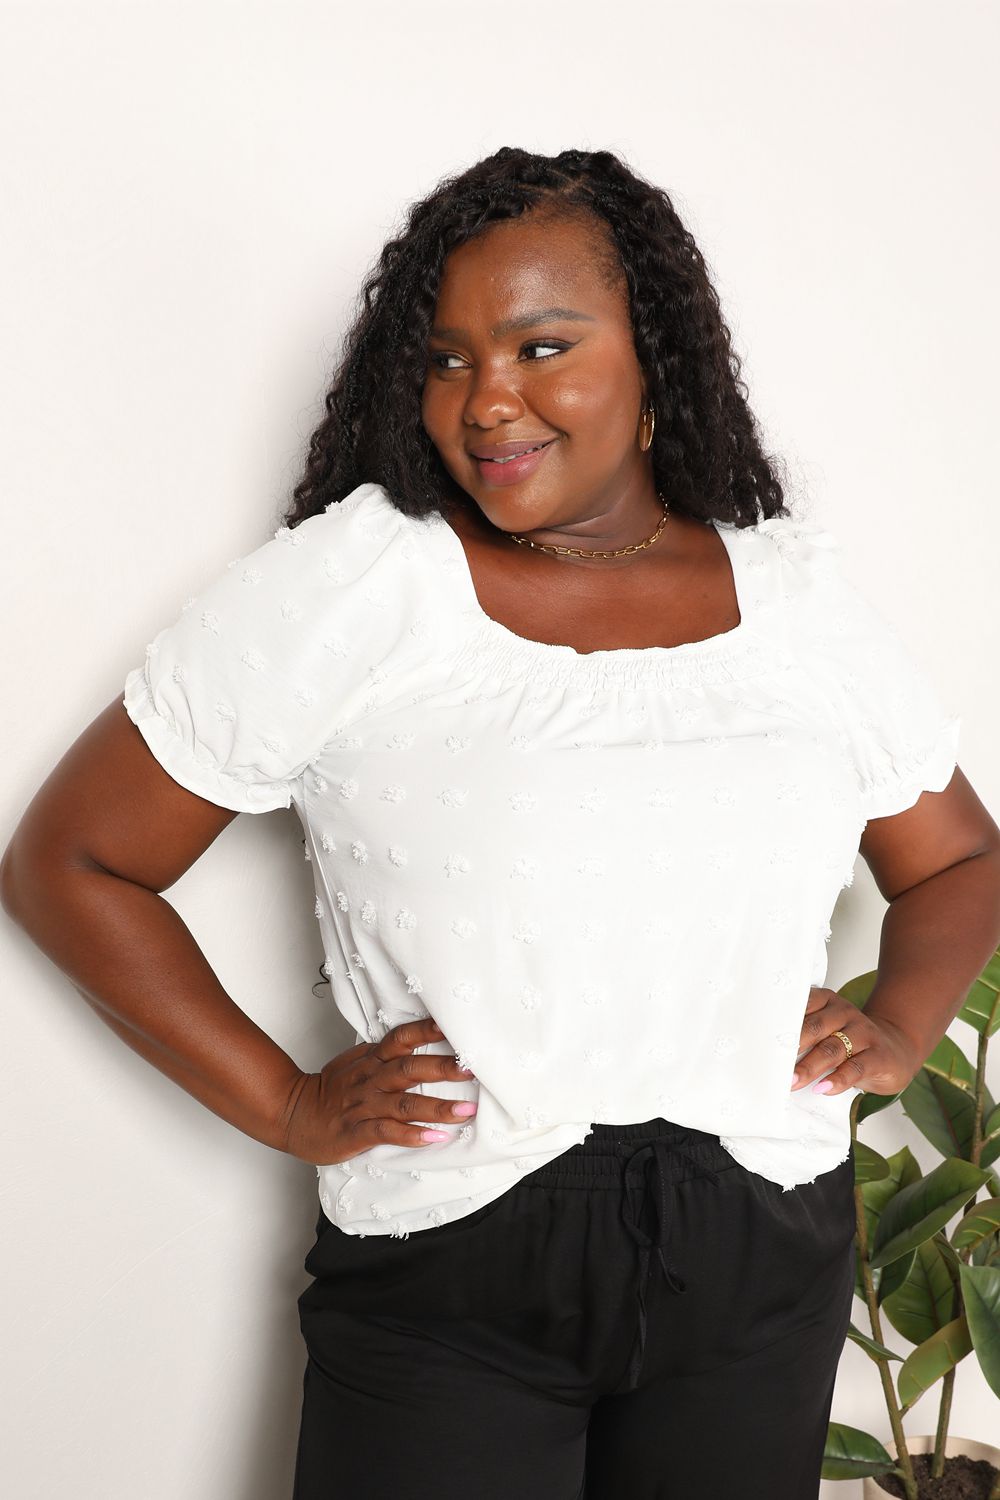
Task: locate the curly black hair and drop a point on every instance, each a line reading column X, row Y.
column 706, row 449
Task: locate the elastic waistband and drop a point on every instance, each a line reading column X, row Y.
column 597, row 1162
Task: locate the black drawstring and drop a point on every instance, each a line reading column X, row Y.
column 635, row 1180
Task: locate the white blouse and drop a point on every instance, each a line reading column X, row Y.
column 608, row 876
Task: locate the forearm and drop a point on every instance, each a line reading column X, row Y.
column 133, row 959
column 936, row 940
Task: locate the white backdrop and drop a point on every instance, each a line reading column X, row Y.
column 191, row 195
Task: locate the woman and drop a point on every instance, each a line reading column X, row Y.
column 584, row 731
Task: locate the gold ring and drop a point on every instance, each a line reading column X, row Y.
column 845, row 1039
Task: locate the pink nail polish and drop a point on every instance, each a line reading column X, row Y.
column 823, row 1087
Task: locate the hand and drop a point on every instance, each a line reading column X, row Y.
column 361, row 1098
column 884, row 1059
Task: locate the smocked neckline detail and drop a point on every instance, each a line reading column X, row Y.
column 732, row 656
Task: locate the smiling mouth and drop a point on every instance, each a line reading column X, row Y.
column 511, row 456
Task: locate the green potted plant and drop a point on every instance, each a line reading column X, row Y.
column 939, row 1289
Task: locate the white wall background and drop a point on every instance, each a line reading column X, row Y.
column 191, row 194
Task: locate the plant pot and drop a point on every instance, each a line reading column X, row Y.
column 954, row 1446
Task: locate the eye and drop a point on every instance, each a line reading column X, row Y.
column 543, row 344
column 438, row 360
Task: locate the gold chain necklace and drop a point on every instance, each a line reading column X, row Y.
column 580, row 552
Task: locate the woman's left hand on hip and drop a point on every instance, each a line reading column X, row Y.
column 883, row 1060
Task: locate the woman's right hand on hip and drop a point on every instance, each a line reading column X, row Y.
column 363, row 1097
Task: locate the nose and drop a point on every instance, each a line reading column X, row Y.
column 492, row 396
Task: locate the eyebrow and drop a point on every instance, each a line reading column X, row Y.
column 517, row 325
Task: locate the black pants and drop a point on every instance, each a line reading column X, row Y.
column 640, row 1317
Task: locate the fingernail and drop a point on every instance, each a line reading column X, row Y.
column 434, row 1135
column 796, row 1078
column 823, row 1087
column 466, row 1108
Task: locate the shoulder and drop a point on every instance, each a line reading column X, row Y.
column 337, row 544
column 795, row 540
column 281, row 650
column 340, row 586
column 798, row 562
column 337, row 568
column 899, row 733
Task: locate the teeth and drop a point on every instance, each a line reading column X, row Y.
column 516, row 455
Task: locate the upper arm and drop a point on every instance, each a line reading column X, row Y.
column 108, row 802
column 939, row 830
column 233, row 701
column 899, row 737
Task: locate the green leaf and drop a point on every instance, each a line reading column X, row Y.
column 926, row 1300
column 949, row 1257
column 981, row 1293
column 981, row 1007
column 932, row 1359
column 885, row 1280
column 988, row 1253
column 991, row 1138
column 943, row 1112
column 903, row 1169
column 890, row 1278
column 851, row 1454
column 950, row 1062
column 873, row 1104
column 914, row 1213
column 871, row 1346
column 869, row 1166
column 982, row 1220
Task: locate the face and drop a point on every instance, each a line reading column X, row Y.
column 529, row 347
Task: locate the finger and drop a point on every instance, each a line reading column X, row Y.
column 828, row 1068
column 403, row 1115
column 401, row 1040
column 404, row 1105
column 821, row 1020
column 847, row 1076
column 401, row 1068
column 827, row 1050
column 383, row 1130
column 418, row 1067
column 412, row 1067
column 819, row 997
column 396, row 1081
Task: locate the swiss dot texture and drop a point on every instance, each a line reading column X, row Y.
column 609, row 876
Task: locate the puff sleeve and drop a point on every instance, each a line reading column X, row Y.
column 279, row 653
column 898, row 733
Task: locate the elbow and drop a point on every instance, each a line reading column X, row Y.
column 27, row 877
column 8, row 882
column 13, row 880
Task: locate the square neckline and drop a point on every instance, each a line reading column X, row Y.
column 712, row 645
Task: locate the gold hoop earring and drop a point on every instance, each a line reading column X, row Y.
column 645, row 441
